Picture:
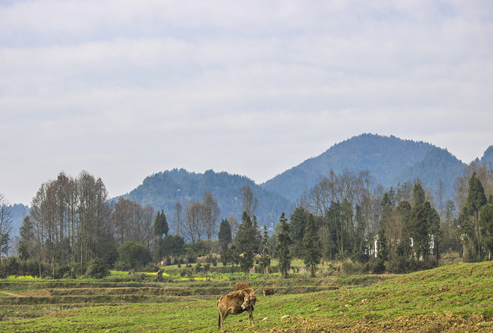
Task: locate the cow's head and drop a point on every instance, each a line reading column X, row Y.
column 248, row 301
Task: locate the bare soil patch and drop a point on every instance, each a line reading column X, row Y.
column 446, row 322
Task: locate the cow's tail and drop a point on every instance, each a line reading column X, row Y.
column 219, row 313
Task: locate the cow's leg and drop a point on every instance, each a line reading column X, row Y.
column 250, row 317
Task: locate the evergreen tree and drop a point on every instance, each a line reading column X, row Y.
column 474, row 202
column 382, row 245
column 161, row 225
column 486, row 225
column 26, row 243
column 224, row 237
column 233, row 257
column 469, row 220
column 311, row 246
column 298, row 224
column 265, row 258
column 282, row 247
column 433, row 221
column 424, row 226
column 246, row 242
column 418, row 194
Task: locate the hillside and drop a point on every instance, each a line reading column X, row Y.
column 390, row 161
column 452, row 298
column 17, row 214
column 487, row 158
column 162, row 190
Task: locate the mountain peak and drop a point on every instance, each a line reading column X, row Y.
column 387, row 158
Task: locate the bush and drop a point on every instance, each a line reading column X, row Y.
column 398, row 264
column 97, row 269
column 349, row 267
column 10, row 266
column 151, row 268
column 133, row 255
column 66, row 271
column 375, row 266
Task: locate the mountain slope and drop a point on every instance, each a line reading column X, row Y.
column 487, row 158
column 164, row 189
column 437, row 165
column 390, row 160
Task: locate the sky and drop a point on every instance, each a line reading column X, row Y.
column 126, row 89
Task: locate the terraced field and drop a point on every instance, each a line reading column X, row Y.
column 27, row 299
column 453, row 298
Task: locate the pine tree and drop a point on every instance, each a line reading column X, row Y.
column 245, row 243
column 474, row 202
column 298, row 225
column 161, row 225
column 469, row 220
column 224, row 237
column 265, row 258
column 311, row 246
column 486, row 225
column 282, row 247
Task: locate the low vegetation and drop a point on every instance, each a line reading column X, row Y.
column 451, row 298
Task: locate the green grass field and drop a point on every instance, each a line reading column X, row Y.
column 452, row 298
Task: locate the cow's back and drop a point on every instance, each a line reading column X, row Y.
column 242, row 285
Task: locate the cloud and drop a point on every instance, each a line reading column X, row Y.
column 250, row 87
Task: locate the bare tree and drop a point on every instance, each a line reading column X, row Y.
column 132, row 222
column 249, row 201
column 233, row 222
column 194, row 226
column 5, row 226
column 211, row 213
column 178, row 217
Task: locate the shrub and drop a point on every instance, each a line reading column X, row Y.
column 397, row 264
column 349, row 267
column 375, row 266
column 97, row 269
column 65, row 271
column 9, row 267
column 133, row 254
column 151, row 267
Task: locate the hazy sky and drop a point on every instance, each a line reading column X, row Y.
column 126, row 89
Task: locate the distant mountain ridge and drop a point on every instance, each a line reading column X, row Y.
column 164, row 189
column 389, row 160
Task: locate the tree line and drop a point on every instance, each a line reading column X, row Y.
column 73, row 224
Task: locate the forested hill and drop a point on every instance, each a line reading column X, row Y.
column 17, row 213
column 164, row 189
column 487, row 158
column 389, row 160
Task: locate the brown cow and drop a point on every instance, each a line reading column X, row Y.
column 268, row 291
column 235, row 303
column 242, row 285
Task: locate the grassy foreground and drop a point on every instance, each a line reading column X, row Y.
column 453, row 298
